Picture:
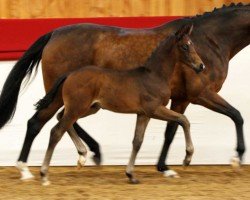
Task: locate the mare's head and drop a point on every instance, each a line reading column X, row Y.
column 185, row 51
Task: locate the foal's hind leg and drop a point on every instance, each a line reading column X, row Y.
column 168, row 115
column 71, row 114
column 55, row 136
column 34, row 126
column 92, row 144
column 141, row 125
column 82, row 151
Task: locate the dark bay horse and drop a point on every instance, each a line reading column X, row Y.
column 217, row 35
column 144, row 91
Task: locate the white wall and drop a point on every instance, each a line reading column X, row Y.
column 213, row 134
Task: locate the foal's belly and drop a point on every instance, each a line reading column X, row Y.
column 121, row 101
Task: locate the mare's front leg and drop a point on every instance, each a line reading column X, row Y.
column 141, row 125
column 165, row 114
column 215, row 102
column 170, row 131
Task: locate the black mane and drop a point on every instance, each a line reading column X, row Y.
column 223, row 8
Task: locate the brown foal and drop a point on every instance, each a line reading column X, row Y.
column 147, row 93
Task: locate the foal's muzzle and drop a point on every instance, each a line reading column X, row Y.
column 200, row 68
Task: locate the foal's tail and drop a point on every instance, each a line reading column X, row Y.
column 23, row 68
column 49, row 97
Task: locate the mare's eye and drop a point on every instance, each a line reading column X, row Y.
column 185, row 47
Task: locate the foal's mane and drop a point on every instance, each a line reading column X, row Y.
column 224, row 8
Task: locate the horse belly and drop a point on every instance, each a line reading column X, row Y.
column 119, row 100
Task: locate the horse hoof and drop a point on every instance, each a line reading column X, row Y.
column 171, row 174
column 235, row 162
column 186, row 163
column 26, row 175
column 97, row 160
column 134, row 181
column 81, row 162
column 131, row 178
column 46, row 183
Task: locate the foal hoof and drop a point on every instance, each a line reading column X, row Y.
column 97, row 160
column 131, row 178
column 235, row 163
column 171, row 174
column 26, row 175
column 46, row 183
column 134, row 181
column 186, row 163
column 81, row 162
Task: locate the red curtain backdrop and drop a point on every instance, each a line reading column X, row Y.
column 18, row 34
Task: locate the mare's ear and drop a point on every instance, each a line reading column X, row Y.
column 184, row 30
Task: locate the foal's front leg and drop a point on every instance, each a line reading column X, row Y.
column 165, row 114
column 141, row 125
column 170, row 131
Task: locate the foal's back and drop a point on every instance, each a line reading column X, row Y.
column 118, row 91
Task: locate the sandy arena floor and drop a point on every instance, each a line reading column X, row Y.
column 196, row 183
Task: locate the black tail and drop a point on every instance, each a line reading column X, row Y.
column 49, row 97
column 23, row 68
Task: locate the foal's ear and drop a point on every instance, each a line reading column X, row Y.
column 184, row 30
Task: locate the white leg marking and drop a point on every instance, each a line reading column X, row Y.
column 171, row 174
column 24, row 170
column 45, row 181
column 81, row 161
column 235, row 162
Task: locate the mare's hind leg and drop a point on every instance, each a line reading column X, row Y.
column 215, row 102
column 168, row 115
column 141, row 125
column 34, row 126
column 170, row 131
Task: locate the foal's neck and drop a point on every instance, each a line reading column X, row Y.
column 162, row 61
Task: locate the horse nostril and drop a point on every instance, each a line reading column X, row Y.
column 202, row 67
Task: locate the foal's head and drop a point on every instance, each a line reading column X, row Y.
column 185, row 51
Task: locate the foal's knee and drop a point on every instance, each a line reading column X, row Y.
column 183, row 121
column 137, row 144
column 55, row 135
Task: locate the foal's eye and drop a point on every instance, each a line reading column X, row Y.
column 184, row 47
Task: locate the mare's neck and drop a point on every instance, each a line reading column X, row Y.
column 228, row 29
